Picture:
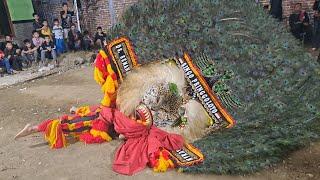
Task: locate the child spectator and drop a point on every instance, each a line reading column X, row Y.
column 37, row 42
column 37, row 25
column 48, row 51
column 58, row 36
column 46, row 31
column 66, row 19
column 87, row 41
column 9, row 38
column 11, row 55
column 36, row 39
column 99, row 37
column 74, row 38
column 29, row 52
column 4, row 62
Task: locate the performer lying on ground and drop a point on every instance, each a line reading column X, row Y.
column 145, row 144
column 144, row 111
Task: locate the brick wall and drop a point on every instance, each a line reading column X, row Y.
column 95, row 13
column 287, row 6
column 92, row 13
column 99, row 13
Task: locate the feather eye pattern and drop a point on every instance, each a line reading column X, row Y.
column 218, row 81
column 275, row 83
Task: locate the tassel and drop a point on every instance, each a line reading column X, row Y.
column 54, row 135
column 83, row 111
column 161, row 161
column 97, row 134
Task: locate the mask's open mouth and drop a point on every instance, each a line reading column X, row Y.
column 143, row 113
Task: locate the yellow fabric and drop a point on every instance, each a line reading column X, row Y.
column 87, row 123
column 98, row 76
column 71, row 126
column 109, row 90
column 102, row 134
column 83, row 111
column 108, row 85
column 47, row 32
column 52, row 136
column 163, row 164
column 103, row 54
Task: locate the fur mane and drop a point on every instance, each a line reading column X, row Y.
column 141, row 78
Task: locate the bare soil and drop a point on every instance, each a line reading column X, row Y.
column 31, row 158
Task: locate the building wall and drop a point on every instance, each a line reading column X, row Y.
column 93, row 13
column 22, row 31
column 99, row 14
column 287, row 6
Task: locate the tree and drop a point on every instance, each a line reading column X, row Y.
column 276, row 81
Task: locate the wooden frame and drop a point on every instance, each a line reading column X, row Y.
column 9, row 19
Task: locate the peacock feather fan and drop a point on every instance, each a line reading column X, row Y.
column 262, row 74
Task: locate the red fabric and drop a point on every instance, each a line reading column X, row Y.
column 90, row 139
column 141, row 143
column 101, row 63
column 1, row 54
column 154, row 159
column 43, row 126
column 99, row 125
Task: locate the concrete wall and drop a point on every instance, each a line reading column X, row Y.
column 23, row 31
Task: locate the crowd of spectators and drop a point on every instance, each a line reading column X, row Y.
column 47, row 43
column 301, row 26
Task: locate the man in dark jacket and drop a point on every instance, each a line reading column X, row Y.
column 300, row 24
column 316, row 29
column 276, row 9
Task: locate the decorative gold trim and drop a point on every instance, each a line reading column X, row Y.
column 208, row 90
column 191, row 148
column 131, row 52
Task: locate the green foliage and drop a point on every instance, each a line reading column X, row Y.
column 273, row 76
column 173, row 89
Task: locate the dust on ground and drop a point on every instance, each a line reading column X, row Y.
column 31, row 158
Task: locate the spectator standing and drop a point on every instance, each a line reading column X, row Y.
column 74, row 38
column 99, row 37
column 37, row 24
column 10, row 54
column 316, row 29
column 299, row 22
column 4, row 62
column 66, row 19
column 58, row 36
column 48, row 51
column 87, row 41
column 29, row 52
column 46, row 31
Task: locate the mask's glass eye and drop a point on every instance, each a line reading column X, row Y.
column 182, row 111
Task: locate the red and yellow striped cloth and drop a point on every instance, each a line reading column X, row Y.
column 85, row 125
column 106, row 78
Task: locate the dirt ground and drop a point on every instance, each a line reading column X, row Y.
column 31, row 158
